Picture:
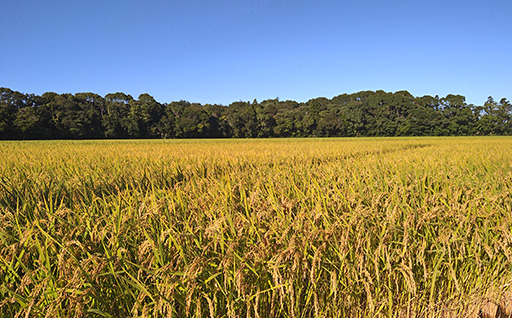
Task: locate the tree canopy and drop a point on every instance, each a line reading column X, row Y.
column 366, row 113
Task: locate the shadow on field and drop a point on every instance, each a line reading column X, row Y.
column 492, row 309
column 358, row 155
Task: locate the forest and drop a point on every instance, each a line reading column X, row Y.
column 366, row 113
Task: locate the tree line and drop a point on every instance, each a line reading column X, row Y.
column 366, row 113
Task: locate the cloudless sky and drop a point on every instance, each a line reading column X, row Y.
column 221, row 51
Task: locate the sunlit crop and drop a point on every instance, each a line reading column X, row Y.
column 412, row 227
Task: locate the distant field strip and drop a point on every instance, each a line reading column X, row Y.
column 334, row 227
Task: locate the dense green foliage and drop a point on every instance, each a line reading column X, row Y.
column 91, row 116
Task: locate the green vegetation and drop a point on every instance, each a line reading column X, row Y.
column 397, row 227
column 118, row 115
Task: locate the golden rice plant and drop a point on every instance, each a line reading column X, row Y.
column 362, row 227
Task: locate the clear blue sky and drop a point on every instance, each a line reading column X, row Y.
column 221, row 51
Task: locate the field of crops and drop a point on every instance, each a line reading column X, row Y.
column 412, row 227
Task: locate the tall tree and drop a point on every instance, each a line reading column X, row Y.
column 10, row 102
column 143, row 117
column 265, row 113
column 242, row 119
column 460, row 116
column 115, row 121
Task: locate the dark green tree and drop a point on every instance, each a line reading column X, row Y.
column 460, row 119
column 265, row 115
column 143, row 117
column 242, row 120
column 115, row 121
column 10, row 103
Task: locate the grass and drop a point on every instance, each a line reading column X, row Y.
column 364, row 227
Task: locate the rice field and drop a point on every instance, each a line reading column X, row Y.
column 363, row 227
